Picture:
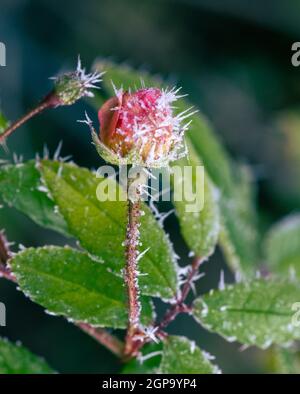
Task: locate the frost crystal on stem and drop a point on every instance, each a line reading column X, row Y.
column 131, row 276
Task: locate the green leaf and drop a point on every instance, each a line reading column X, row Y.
column 258, row 313
column 181, row 355
column 209, row 148
column 282, row 246
column 15, row 359
column 69, row 283
column 4, row 123
column 175, row 355
column 21, row 187
column 284, row 361
column 148, row 362
column 239, row 238
column 284, row 180
column 100, row 226
column 200, row 227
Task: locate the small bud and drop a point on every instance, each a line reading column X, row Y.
column 72, row 86
column 141, row 128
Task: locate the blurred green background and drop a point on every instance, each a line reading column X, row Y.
column 233, row 57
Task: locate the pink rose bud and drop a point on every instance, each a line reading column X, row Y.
column 142, row 127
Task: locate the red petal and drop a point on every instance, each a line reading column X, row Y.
column 108, row 117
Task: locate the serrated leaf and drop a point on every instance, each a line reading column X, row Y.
column 258, row 313
column 239, row 234
column 15, row 359
column 282, row 246
column 21, row 188
column 199, row 217
column 100, row 226
column 181, row 355
column 175, row 355
column 69, row 283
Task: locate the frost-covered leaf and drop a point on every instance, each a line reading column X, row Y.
column 282, row 246
column 21, row 188
column 198, row 216
column 100, row 226
column 69, row 283
column 4, row 123
column 239, row 234
column 180, row 355
column 174, row 355
column 259, row 312
column 15, row 359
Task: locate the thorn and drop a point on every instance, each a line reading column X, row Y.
column 221, row 285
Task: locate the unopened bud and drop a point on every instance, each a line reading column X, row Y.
column 72, row 86
column 141, row 128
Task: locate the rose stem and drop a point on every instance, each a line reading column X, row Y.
column 180, row 307
column 131, row 272
column 50, row 101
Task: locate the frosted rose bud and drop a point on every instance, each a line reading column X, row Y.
column 72, row 86
column 141, row 127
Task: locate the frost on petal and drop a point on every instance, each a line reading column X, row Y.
column 142, row 127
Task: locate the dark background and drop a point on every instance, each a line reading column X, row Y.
column 233, row 57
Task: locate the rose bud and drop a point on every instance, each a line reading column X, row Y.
column 141, row 128
column 72, row 86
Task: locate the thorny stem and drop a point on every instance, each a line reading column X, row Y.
column 99, row 334
column 50, row 101
column 180, row 306
column 5, row 252
column 5, row 255
column 7, row 274
column 131, row 276
column 194, row 270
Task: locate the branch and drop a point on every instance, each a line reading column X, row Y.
column 99, row 334
column 131, row 277
column 180, row 306
column 194, row 270
column 5, row 253
column 49, row 101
